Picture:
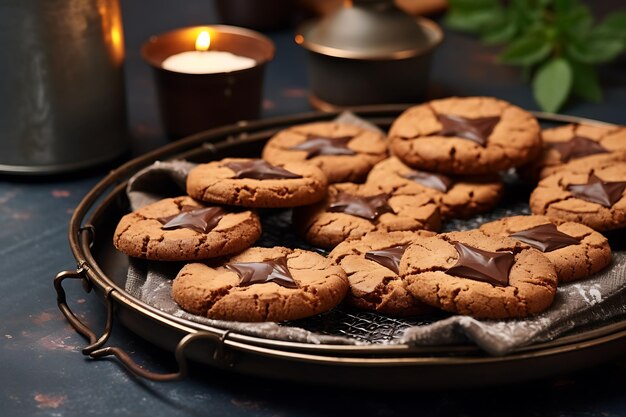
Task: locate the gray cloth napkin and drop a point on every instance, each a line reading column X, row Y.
column 599, row 298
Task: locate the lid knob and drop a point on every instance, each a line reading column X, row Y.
column 366, row 29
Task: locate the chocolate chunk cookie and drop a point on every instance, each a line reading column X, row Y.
column 182, row 229
column 261, row 284
column 352, row 210
column 590, row 193
column 478, row 275
column 574, row 142
column 469, row 136
column 576, row 250
column 371, row 263
column 256, row 183
column 456, row 196
column 344, row 152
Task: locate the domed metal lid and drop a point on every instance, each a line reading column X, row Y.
column 368, row 29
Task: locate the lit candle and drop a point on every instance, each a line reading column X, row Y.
column 203, row 61
column 198, row 95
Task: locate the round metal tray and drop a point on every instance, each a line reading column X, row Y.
column 102, row 268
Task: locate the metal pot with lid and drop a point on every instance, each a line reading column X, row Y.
column 368, row 52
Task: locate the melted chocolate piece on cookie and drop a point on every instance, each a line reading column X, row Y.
column 258, row 169
column 259, row 272
column 317, row 145
column 545, row 237
column 477, row 130
column 427, row 179
column 577, row 147
column 366, row 207
column 482, row 265
column 389, row 258
column 200, row 219
column 598, row 191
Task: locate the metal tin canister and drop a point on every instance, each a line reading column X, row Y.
column 62, row 85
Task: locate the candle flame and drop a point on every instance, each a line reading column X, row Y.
column 203, row 41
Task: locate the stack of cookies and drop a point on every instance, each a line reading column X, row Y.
column 374, row 204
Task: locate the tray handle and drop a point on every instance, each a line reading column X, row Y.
column 94, row 341
column 95, row 350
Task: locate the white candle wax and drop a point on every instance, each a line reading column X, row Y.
column 206, row 62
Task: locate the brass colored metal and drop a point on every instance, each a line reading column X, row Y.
column 94, row 341
column 95, row 350
column 179, row 354
column 564, row 118
column 74, row 321
column 359, row 365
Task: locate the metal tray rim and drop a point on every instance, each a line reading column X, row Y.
column 79, row 238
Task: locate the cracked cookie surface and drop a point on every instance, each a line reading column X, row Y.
column 465, row 196
column 215, row 182
column 368, row 148
column 514, row 141
column 327, row 229
column 374, row 286
column 552, row 197
column 554, row 156
column 140, row 234
column 532, row 278
column 214, row 292
column 572, row 262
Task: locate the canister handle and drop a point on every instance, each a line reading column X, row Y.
column 96, row 351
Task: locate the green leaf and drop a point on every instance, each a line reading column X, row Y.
column 613, row 26
column 585, row 82
column 499, row 33
column 473, row 5
column 528, row 50
column 576, row 20
column 472, row 22
column 552, row 84
column 526, row 11
column 565, row 6
column 595, row 49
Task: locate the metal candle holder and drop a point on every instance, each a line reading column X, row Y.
column 191, row 103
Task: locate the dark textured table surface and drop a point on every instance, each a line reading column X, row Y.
column 42, row 370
